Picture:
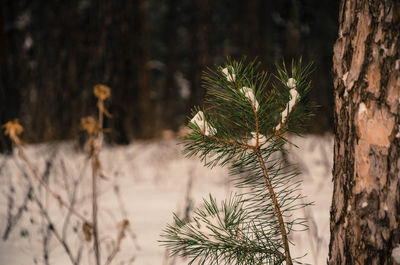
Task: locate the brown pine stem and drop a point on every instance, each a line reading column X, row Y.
column 239, row 145
column 276, row 208
column 271, row 190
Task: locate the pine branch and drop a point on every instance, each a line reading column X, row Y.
column 243, row 125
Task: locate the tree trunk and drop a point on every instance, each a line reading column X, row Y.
column 200, row 45
column 10, row 93
column 146, row 112
column 365, row 211
column 170, row 95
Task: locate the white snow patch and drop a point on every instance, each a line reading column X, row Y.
column 291, row 83
column 253, row 140
column 152, row 178
column 293, row 99
column 364, row 204
column 229, row 73
column 200, row 121
column 248, row 93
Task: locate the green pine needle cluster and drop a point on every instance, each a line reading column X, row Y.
column 243, row 125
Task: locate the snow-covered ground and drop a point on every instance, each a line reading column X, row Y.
column 145, row 182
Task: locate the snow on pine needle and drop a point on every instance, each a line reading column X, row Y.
column 253, row 139
column 248, row 93
column 294, row 95
column 229, row 73
column 201, row 122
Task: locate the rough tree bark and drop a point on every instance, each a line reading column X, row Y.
column 365, row 213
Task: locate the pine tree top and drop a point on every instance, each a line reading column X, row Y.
column 243, row 125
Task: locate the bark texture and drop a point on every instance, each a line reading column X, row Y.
column 365, row 212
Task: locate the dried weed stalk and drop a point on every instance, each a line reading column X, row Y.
column 94, row 127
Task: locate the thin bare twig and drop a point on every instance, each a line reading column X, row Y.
column 12, row 220
column 121, row 234
column 94, row 217
column 50, row 222
column 46, row 239
column 79, row 254
column 73, row 199
column 96, row 147
column 124, row 213
column 34, row 171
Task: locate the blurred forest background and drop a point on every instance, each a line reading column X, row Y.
column 151, row 53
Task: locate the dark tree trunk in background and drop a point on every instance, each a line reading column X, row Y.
column 4, row 144
column 52, row 53
column 170, row 91
column 57, row 52
column 200, row 33
column 123, row 53
column 9, row 91
column 146, row 120
column 365, row 213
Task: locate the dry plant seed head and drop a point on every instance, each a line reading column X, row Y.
column 102, row 92
column 13, row 129
column 90, row 125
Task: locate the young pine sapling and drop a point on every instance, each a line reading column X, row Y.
column 244, row 125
